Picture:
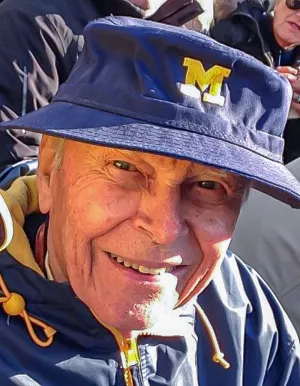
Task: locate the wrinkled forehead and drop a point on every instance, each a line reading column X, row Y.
column 148, row 163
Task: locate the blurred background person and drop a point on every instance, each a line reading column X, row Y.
column 223, row 8
column 273, row 37
column 267, row 237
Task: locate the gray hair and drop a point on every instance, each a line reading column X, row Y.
column 58, row 153
column 57, row 146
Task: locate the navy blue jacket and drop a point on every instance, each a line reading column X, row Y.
column 253, row 332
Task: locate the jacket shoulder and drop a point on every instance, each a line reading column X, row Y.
column 255, row 334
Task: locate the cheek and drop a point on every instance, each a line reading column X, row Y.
column 88, row 212
column 283, row 16
column 280, row 15
column 215, row 225
column 213, row 228
column 95, row 210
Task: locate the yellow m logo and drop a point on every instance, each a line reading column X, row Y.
column 210, row 80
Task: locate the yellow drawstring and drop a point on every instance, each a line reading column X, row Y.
column 218, row 356
column 14, row 305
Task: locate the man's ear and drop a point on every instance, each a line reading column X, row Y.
column 44, row 174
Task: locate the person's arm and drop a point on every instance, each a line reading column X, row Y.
column 37, row 53
column 31, row 59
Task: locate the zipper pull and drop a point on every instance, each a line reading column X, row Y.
column 131, row 352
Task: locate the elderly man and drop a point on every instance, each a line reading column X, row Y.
column 128, row 276
column 273, row 38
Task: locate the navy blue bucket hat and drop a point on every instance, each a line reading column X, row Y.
column 166, row 90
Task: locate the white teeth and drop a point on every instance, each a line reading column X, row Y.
column 140, row 268
column 157, row 271
column 143, row 269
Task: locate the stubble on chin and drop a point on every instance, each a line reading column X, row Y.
column 146, row 314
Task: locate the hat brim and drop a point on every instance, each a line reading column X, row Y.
column 96, row 127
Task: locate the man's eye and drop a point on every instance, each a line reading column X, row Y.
column 209, row 185
column 123, row 165
column 210, row 192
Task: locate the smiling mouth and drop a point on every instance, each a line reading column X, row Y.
column 294, row 25
column 141, row 268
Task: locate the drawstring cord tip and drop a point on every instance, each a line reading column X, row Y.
column 14, row 305
column 219, row 358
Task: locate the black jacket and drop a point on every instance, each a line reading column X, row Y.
column 40, row 43
column 248, row 29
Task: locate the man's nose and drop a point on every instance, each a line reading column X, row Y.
column 162, row 217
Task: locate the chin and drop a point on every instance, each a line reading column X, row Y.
column 143, row 316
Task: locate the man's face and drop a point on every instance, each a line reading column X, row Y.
column 286, row 25
column 111, row 209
